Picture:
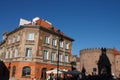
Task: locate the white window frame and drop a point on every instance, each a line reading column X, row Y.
column 54, row 42
column 9, row 41
column 66, row 57
column 18, row 37
column 60, row 57
column 28, row 52
column 61, row 44
column 30, row 36
column 53, row 56
column 11, row 53
column 6, row 56
column 45, row 55
column 13, row 40
column 16, row 52
column 67, row 46
column 47, row 39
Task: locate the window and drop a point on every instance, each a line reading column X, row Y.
column 18, row 37
column 13, row 71
column 6, row 54
column 54, row 42
column 16, row 52
column 53, row 56
column 11, row 53
column 28, row 52
column 47, row 39
column 61, row 43
column 13, row 40
column 31, row 36
column 66, row 46
column 9, row 41
column 45, row 55
column 26, row 71
column 94, row 69
column 60, row 57
column 66, row 57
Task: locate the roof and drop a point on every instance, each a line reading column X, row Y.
column 49, row 26
column 116, row 52
column 43, row 24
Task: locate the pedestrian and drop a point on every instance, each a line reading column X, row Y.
column 34, row 78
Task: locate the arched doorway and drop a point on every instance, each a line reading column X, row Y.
column 43, row 73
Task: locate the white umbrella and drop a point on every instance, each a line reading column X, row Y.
column 54, row 71
column 72, row 72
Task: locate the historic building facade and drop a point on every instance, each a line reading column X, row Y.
column 100, row 61
column 76, row 59
column 32, row 49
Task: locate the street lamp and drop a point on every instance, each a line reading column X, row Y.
column 60, row 39
column 9, row 66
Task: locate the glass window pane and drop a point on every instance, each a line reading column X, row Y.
column 28, row 52
column 26, row 71
column 31, row 36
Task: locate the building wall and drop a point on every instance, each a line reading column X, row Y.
column 89, row 59
column 117, row 65
column 36, row 62
column 76, row 59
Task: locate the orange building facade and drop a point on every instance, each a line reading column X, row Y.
column 32, row 49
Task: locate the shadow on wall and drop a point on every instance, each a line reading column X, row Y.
column 4, row 72
column 104, row 66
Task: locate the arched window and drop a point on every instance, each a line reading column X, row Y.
column 13, row 71
column 43, row 75
column 26, row 71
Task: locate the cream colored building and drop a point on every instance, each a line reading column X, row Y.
column 76, row 59
column 32, row 49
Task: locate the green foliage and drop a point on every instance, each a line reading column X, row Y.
column 73, row 63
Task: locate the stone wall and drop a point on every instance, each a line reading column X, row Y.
column 89, row 59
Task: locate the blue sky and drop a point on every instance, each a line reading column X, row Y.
column 91, row 23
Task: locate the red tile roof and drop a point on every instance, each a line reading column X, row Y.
column 49, row 26
column 116, row 52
